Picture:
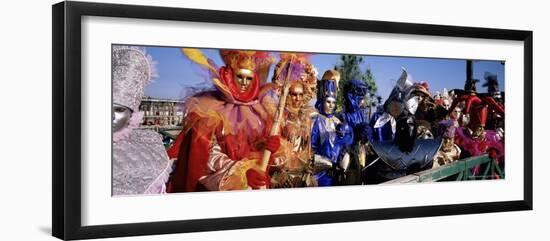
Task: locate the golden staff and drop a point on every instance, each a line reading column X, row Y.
column 278, row 115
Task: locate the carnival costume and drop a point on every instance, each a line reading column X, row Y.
column 449, row 151
column 473, row 139
column 356, row 116
column 226, row 130
column 428, row 114
column 140, row 163
column 444, row 99
column 405, row 154
column 293, row 167
column 323, row 133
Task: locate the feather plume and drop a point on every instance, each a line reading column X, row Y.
column 198, row 57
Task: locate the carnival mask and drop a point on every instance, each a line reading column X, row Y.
column 243, row 78
column 420, row 96
column 121, row 117
column 356, row 91
column 296, row 94
column 328, row 105
column 359, row 90
column 455, row 114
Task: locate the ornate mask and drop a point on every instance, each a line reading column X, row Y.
column 121, row 117
column 328, row 105
column 326, row 96
column 295, row 96
column 455, row 114
column 243, row 78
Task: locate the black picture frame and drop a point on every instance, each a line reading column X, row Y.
column 67, row 137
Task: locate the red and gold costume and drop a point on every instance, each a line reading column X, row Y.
column 293, row 167
column 225, row 131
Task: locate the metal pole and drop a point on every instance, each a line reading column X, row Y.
column 469, row 69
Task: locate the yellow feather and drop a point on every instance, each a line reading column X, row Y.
column 196, row 56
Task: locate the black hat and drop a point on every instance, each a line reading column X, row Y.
column 470, row 85
column 492, row 83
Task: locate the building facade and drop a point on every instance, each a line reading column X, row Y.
column 161, row 113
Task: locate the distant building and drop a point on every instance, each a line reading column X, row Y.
column 161, row 113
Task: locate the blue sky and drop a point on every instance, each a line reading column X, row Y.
column 176, row 72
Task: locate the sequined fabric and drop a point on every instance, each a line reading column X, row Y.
column 140, row 164
column 132, row 69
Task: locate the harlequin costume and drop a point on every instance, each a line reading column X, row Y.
column 140, row 164
column 225, row 130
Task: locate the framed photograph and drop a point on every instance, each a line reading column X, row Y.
column 172, row 120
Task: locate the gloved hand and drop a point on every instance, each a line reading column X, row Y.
column 256, row 179
column 273, row 143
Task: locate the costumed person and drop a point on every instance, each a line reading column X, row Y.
column 428, row 114
column 293, row 167
column 445, row 99
column 472, row 138
column 226, row 131
column 424, row 114
column 140, row 162
column 323, row 132
column 475, row 108
column 449, row 151
column 405, row 154
column 356, row 116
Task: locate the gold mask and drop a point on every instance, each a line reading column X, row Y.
column 243, row 78
column 296, row 96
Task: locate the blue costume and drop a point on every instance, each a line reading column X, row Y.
column 356, row 116
column 325, row 142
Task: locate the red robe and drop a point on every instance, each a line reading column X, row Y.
column 238, row 122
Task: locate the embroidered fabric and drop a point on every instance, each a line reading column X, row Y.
column 140, row 164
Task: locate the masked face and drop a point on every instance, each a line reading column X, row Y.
column 328, row 105
column 296, row 94
column 357, row 97
column 447, row 103
column 121, row 117
column 243, row 78
column 421, row 97
column 455, row 114
column 395, row 109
